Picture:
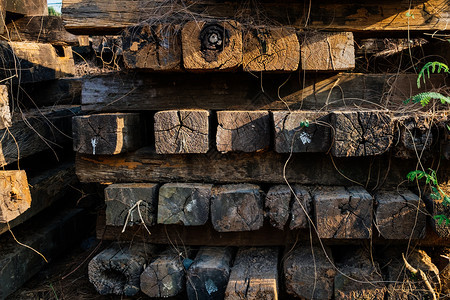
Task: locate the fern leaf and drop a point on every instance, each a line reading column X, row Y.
column 425, row 98
column 431, row 66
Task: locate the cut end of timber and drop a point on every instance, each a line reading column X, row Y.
column 211, row 45
column 271, row 49
column 15, row 197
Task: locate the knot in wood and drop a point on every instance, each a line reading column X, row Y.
column 213, row 37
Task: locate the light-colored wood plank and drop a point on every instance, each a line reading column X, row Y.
column 33, row 62
column 271, row 49
column 46, row 188
column 5, row 110
column 211, row 45
column 327, row 51
column 15, row 196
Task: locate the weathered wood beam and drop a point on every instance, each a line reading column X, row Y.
column 36, row 131
column 309, row 272
column 146, row 166
column 361, row 133
column 358, row 264
column 184, row 203
column 165, row 276
column 206, row 235
column 102, row 16
column 245, row 131
column 156, row 48
column 301, row 131
column 63, row 91
column 254, row 275
column 400, row 214
column 277, row 205
column 34, row 62
column 107, row 134
column 122, row 203
column 242, row 91
column 327, row 51
column 117, row 269
column 343, row 213
column 27, row 7
column 40, row 29
column 15, row 196
column 207, row 277
column 237, row 207
column 211, row 45
column 46, row 188
column 5, row 110
column 51, row 237
column 182, row 131
column 270, row 49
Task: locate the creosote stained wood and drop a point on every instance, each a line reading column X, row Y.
column 15, row 196
column 107, row 134
column 300, row 208
column 101, row 16
column 254, row 275
column 237, row 207
column 206, row 235
column 117, row 269
column 5, row 110
column 182, row 131
column 34, row 62
column 211, row 45
column 361, row 133
column 242, row 91
column 277, row 205
column 416, row 134
column 120, row 198
column 165, row 276
column 357, row 263
column 36, row 131
column 184, row 203
column 400, row 215
column 46, row 188
column 270, row 49
column 309, row 272
column 41, row 29
column 327, row 52
column 27, row 7
column 246, row 131
column 155, row 47
column 290, row 135
column 267, row 167
column 63, row 91
column 207, row 277
column 342, row 213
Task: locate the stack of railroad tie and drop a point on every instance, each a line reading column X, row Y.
column 246, row 160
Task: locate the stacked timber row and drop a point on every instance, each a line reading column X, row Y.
column 251, row 157
column 37, row 102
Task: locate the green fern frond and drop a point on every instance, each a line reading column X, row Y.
column 425, row 98
column 431, row 65
column 442, row 219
